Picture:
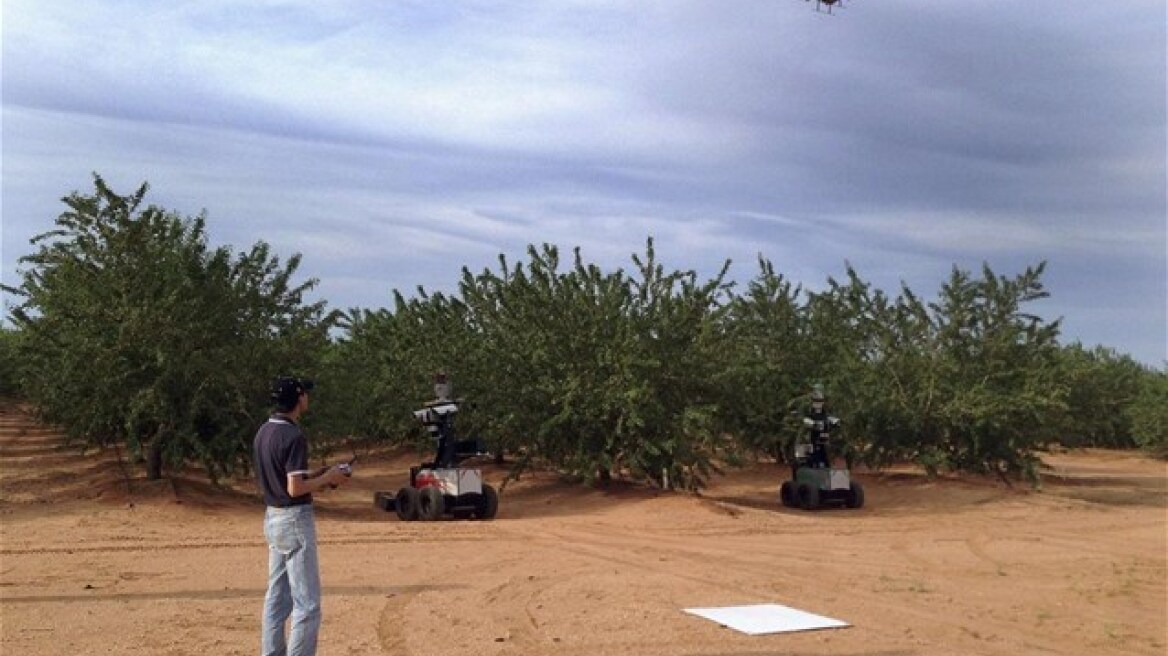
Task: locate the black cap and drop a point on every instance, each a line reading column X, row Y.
column 286, row 390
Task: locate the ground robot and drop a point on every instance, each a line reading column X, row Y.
column 814, row 482
column 441, row 487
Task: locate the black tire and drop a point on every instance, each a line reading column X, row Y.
column 855, row 497
column 384, row 501
column 406, row 504
column 787, row 494
column 808, row 496
column 431, row 505
column 487, row 505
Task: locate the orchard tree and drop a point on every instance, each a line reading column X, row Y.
column 10, row 366
column 136, row 332
column 1148, row 413
column 1102, row 384
column 998, row 390
column 765, row 363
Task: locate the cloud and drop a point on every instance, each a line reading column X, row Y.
column 392, row 143
column 987, row 235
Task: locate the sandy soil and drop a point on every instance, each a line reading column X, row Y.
column 91, row 564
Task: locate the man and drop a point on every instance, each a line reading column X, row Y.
column 280, row 452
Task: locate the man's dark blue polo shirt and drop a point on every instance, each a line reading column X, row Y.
column 280, row 449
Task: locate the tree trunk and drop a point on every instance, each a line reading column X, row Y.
column 154, row 458
column 603, row 476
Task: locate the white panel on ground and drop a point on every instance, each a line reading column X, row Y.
column 760, row 619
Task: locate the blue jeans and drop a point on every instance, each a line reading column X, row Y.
column 293, row 582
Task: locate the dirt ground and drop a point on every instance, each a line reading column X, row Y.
column 91, row 565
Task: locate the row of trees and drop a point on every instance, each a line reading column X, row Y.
column 132, row 330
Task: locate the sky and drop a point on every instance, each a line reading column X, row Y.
column 394, row 143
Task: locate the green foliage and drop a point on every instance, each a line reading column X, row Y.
column 132, row 330
column 382, row 370
column 1148, row 413
column 596, row 374
column 999, row 385
column 1102, row 384
column 967, row 382
column 135, row 331
column 655, row 376
column 764, row 363
column 10, row 367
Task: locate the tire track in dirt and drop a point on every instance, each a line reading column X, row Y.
column 238, row 544
column 662, row 552
column 394, row 630
column 522, row 634
column 638, row 554
column 975, row 546
column 100, row 594
column 390, row 623
column 737, row 574
column 737, row 570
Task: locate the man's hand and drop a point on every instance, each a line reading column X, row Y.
column 338, row 475
column 331, row 477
